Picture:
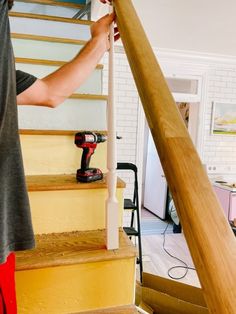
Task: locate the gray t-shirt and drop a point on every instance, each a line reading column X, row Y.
column 15, row 219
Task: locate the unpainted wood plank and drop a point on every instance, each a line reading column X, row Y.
column 61, row 249
column 49, row 18
column 54, row 132
column 48, row 38
column 207, row 231
column 89, row 96
column 64, row 182
column 47, row 62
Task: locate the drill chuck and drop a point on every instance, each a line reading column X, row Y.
column 83, row 138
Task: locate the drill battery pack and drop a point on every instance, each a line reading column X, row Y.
column 89, row 175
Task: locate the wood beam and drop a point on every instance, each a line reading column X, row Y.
column 208, row 234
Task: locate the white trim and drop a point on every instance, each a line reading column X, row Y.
column 112, row 211
column 141, row 310
column 175, row 65
column 140, row 147
column 190, row 76
column 201, row 114
column 134, row 282
column 187, row 56
column 195, row 57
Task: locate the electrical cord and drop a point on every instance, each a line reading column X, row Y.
column 184, row 266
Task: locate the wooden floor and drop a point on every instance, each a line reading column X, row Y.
column 156, row 261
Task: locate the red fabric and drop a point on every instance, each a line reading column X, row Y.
column 7, row 286
column 2, row 310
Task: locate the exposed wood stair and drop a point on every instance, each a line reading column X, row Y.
column 48, row 39
column 53, row 152
column 49, row 7
column 70, row 270
column 49, row 18
column 60, row 204
column 44, row 25
column 55, row 63
column 76, row 110
column 42, row 67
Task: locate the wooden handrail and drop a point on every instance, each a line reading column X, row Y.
column 209, row 237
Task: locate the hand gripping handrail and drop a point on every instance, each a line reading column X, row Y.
column 209, row 237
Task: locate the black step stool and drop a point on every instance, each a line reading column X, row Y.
column 133, row 205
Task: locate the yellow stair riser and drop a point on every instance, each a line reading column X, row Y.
column 70, row 289
column 56, row 154
column 65, row 211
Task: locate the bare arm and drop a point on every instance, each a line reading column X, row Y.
column 59, row 85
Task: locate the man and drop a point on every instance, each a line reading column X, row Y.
column 15, row 221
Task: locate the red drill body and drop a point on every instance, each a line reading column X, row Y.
column 88, row 142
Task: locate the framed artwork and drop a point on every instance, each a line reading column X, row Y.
column 223, row 119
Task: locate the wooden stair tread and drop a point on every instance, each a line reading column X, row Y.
column 48, row 38
column 127, row 309
column 89, row 96
column 54, row 3
column 64, row 182
column 70, row 248
column 46, row 62
column 49, row 18
column 54, row 132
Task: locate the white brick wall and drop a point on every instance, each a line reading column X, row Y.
column 218, row 151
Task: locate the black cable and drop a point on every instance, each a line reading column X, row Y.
column 186, row 267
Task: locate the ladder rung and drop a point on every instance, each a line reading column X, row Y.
column 128, row 204
column 131, row 231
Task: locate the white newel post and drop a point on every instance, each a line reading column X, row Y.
column 112, row 227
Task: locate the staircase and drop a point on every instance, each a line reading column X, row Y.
column 70, row 271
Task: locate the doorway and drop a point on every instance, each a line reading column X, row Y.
column 155, row 189
column 155, row 195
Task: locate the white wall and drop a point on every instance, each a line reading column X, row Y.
column 217, row 152
column 220, row 150
column 203, row 25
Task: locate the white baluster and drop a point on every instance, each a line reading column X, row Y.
column 111, row 202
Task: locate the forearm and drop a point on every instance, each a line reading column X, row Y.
column 53, row 89
column 63, row 82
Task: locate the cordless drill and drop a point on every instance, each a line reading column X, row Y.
column 88, row 141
